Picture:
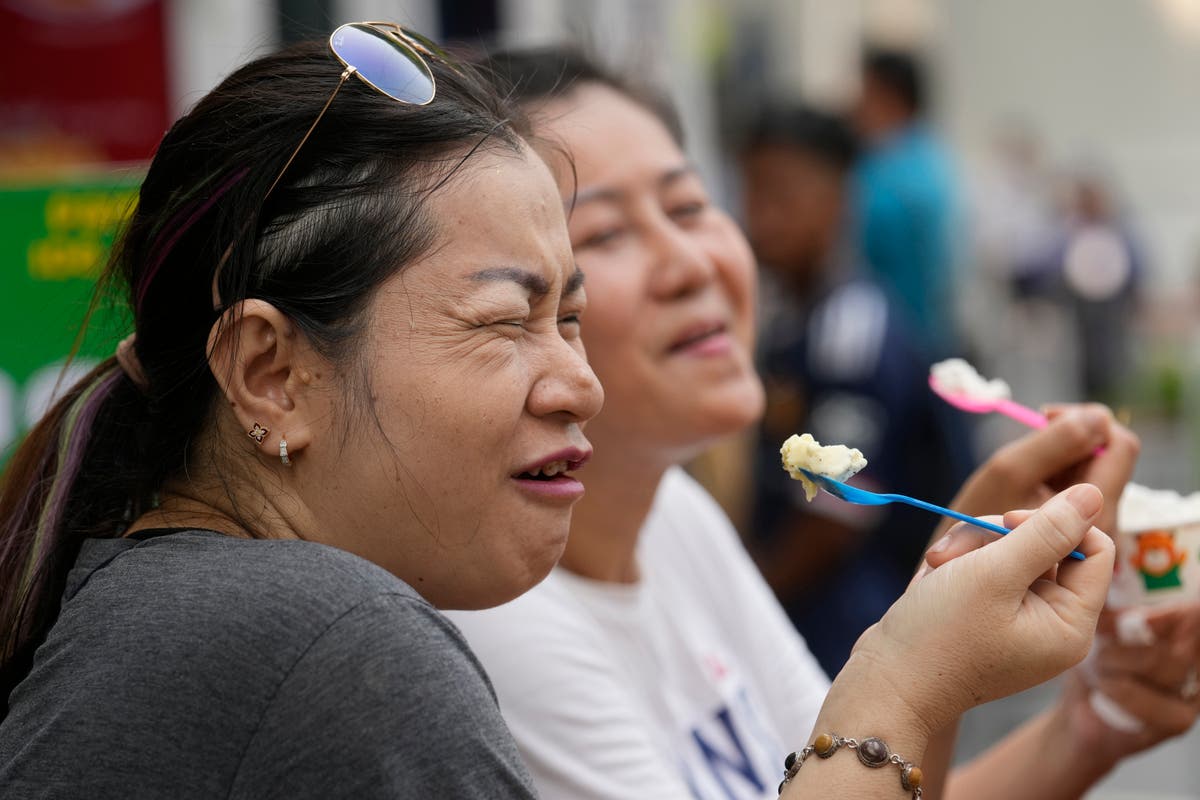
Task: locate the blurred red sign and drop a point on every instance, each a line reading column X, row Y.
column 82, row 80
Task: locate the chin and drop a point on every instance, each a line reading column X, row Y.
column 734, row 407
column 509, row 578
column 691, row 423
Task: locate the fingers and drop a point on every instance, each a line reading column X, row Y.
column 1092, row 576
column 1072, row 436
column 1110, row 469
column 1179, row 620
column 962, row 538
column 1061, row 525
column 1166, row 673
column 1163, row 713
column 1165, row 664
column 1014, row 518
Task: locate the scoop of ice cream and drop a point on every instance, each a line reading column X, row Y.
column 835, row 461
column 1143, row 509
column 956, row 376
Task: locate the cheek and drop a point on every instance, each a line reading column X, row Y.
column 615, row 295
column 444, row 422
column 735, row 262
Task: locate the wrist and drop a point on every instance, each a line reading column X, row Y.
column 1083, row 739
column 865, row 700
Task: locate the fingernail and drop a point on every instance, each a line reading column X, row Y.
column 1086, row 499
column 941, row 544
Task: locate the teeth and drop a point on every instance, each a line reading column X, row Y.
column 553, row 468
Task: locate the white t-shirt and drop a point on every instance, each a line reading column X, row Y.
column 689, row 684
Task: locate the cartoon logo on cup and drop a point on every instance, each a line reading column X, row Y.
column 1158, row 560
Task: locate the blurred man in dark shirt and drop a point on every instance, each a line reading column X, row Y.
column 840, row 362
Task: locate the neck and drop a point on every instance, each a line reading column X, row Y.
column 231, row 505
column 621, row 482
column 182, row 511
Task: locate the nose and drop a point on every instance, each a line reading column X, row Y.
column 682, row 264
column 567, row 386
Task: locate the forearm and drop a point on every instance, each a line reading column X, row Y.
column 1041, row 760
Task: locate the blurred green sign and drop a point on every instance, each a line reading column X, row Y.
column 54, row 240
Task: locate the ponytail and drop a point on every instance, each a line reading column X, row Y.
column 39, row 494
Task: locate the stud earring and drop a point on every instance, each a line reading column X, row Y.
column 283, row 456
column 258, row 433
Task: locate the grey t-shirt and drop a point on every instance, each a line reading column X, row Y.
column 196, row 665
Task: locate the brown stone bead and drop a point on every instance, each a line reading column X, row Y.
column 823, row 745
column 910, row 778
column 873, row 752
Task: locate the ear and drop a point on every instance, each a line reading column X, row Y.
column 265, row 367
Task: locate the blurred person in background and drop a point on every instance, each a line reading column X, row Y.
column 1088, row 265
column 1012, row 209
column 840, row 361
column 1096, row 267
column 654, row 662
column 905, row 198
column 1012, row 223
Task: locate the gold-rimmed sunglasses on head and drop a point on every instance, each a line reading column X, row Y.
column 384, row 56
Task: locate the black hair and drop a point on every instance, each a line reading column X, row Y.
column 826, row 137
column 898, row 71
column 550, row 72
column 349, row 213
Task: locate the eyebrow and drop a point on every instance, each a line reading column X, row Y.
column 614, row 195
column 531, row 282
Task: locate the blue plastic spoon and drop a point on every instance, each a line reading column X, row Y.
column 851, row 494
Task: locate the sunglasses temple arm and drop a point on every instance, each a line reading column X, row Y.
column 346, row 73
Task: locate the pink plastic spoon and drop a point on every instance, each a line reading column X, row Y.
column 1022, row 414
column 975, row 405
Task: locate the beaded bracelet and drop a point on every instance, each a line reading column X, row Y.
column 871, row 751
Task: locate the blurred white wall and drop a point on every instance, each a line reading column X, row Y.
column 207, row 39
column 1112, row 83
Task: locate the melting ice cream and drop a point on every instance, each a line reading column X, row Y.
column 835, row 461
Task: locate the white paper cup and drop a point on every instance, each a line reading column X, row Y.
column 1158, row 548
column 1158, row 562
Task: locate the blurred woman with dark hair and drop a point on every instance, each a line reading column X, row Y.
column 654, row 661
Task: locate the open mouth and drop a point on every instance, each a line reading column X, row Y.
column 547, row 472
column 557, row 469
column 698, row 335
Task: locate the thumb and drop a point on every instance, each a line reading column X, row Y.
column 1048, row 536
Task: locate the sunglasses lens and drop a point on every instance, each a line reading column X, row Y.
column 382, row 61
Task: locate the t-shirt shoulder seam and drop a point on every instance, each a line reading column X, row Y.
column 408, row 599
column 92, row 572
